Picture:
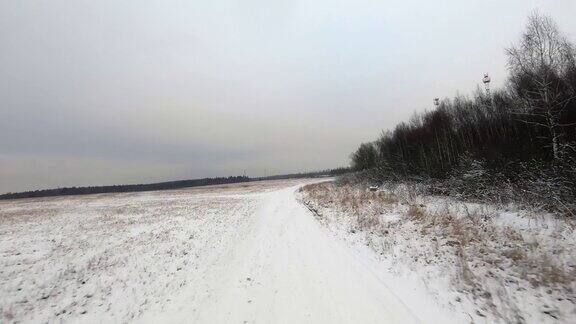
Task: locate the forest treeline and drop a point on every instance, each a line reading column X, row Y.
column 180, row 184
column 313, row 174
column 125, row 188
column 522, row 136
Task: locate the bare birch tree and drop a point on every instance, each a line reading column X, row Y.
column 537, row 65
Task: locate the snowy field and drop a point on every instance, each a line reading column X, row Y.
column 242, row 253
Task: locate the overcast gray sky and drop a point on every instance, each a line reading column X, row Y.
column 107, row 92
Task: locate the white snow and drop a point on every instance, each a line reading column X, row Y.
column 494, row 264
column 228, row 254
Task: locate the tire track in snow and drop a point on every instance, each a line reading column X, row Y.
column 286, row 268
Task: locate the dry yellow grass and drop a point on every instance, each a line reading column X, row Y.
column 482, row 250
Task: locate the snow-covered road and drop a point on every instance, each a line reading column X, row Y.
column 288, row 269
column 248, row 255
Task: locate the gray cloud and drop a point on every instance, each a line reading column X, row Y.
column 120, row 92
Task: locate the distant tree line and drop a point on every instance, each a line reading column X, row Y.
column 163, row 185
column 312, row 174
column 125, row 188
column 530, row 125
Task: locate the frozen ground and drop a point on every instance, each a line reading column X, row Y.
column 496, row 264
column 245, row 253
